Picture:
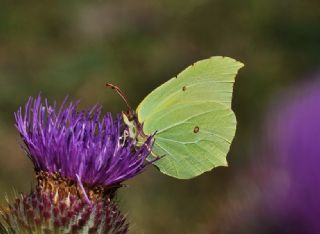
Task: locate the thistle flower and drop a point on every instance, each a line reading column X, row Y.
column 47, row 212
column 83, row 148
column 294, row 138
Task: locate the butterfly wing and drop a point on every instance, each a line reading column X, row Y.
column 193, row 118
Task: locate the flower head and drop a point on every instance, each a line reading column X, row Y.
column 85, row 147
column 47, row 212
column 294, row 140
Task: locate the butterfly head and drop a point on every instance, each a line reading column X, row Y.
column 130, row 118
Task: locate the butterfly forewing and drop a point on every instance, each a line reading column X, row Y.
column 193, row 118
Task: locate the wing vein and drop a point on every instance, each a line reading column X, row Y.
column 172, row 163
column 185, row 121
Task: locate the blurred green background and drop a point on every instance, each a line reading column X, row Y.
column 74, row 47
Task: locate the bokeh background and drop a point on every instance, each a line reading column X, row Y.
column 73, row 47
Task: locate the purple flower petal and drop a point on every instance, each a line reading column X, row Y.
column 86, row 144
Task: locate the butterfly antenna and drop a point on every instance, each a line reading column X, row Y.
column 121, row 94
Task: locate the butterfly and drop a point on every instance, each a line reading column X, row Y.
column 191, row 118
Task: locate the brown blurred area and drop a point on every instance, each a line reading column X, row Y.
column 73, row 47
